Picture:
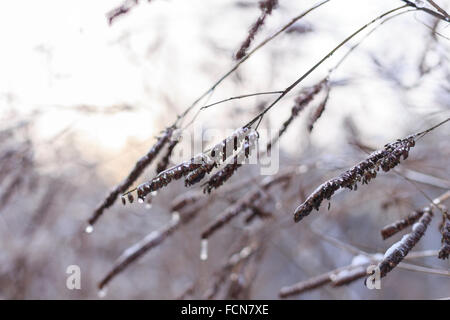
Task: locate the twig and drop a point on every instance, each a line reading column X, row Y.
column 328, row 55
column 431, row 12
column 242, row 96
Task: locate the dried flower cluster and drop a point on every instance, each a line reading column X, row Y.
column 194, row 169
column 399, row 225
column 395, row 254
column 318, row 112
column 266, row 7
column 301, row 101
column 124, row 8
column 198, row 174
column 220, row 177
column 139, row 167
column 363, row 172
column 228, row 156
column 444, row 252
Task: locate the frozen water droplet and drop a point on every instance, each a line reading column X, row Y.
column 278, row 205
column 175, row 217
column 148, row 206
column 140, row 200
column 302, row 169
column 154, row 193
column 204, row 250
column 89, row 229
column 102, row 293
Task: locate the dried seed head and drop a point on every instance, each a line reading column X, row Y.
column 198, row 174
column 221, row 151
column 266, row 7
column 444, row 252
column 366, row 170
column 318, row 112
column 395, row 254
column 302, row 100
column 220, row 177
column 399, row 225
column 168, row 175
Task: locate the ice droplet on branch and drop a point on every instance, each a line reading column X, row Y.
column 102, row 293
column 89, row 229
column 204, row 250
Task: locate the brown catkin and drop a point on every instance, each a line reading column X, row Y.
column 396, row 253
column 218, row 153
column 399, row 225
column 139, row 167
column 301, row 101
column 168, row 175
column 220, row 177
column 266, row 7
column 318, row 112
column 198, row 174
column 444, row 252
column 363, row 172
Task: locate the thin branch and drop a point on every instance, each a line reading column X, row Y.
column 242, row 96
column 259, row 46
column 328, row 55
column 438, row 8
column 431, row 12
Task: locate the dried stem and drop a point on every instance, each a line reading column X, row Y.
column 220, row 177
column 328, row 55
column 251, row 52
column 134, row 252
column 431, row 12
column 444, row 252
column 266, row 7
column 363, row 172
